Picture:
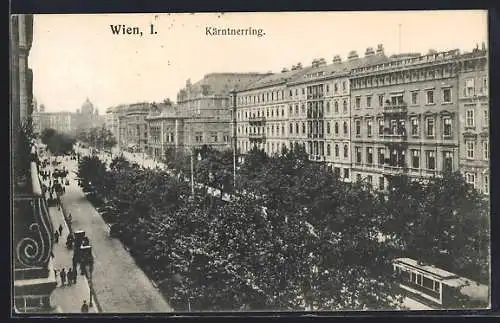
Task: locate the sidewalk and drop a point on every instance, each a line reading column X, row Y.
column 68, row 299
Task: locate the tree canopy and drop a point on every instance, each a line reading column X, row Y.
column 99, row 137
column 57, row 143
column 293, row 236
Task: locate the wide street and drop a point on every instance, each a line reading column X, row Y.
column 120, row 285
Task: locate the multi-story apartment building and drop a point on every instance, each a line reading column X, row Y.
column 404, row 117
column 473, row 105
column 263, row 112
column 133, row 130
column 207, row 110
column 112, row 120
column 313, row 111
column 61, row 121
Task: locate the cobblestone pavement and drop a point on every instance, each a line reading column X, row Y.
column 120, row 285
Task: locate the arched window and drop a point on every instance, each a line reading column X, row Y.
column 336, row 150
column 328, row 127
column 328, row 150
column 346, row 151
column 345, row 106
column 336, row 128
column 345, row 128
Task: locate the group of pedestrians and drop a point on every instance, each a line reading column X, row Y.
column 68, row 277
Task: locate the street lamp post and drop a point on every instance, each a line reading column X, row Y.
column 192, row 171
column 192, row 175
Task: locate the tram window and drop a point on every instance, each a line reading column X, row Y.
column 436, row 286
column 405, row 275
column 428, row 283
column 419, row 279
column 413, row 278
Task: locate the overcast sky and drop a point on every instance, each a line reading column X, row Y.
column 77, row 56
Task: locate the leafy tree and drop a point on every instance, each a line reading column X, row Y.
column 46, row 134
column 57, row 143
column 99, row 137
column 443, row 221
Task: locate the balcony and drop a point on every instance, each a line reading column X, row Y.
column 395, row 170
column 400, row 108
column 316, row 96
column 256, row 120
column 316, row 157
column 394, row 136
column 257, row 137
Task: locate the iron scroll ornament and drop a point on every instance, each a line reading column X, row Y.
column 34, row 248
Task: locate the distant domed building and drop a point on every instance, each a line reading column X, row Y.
column 88, row 116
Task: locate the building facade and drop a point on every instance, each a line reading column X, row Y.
column 313, row 110
column 473, row 105
column 33, row 277
column 165, row 129
column 61, row 121
column 376, row 116
column 207, row 109
column 112, row 120
column 87, row 117
column 133, row 128
column 263, row 114
column 405, row 117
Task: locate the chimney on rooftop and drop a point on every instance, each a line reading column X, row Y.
column 352, row 55
column 321, row 62
column 284, row 70
column 299, row 66
column 337, row 59
column 380, row 49
column 314, row 62
column 369, row 52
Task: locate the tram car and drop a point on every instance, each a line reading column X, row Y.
column 437, row 287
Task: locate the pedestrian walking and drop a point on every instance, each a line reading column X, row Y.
column 70, row 276
column 60, row 229
column 63, row 277
column 85, row 307
column 56, row 236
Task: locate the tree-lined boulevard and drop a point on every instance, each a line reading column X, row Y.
column 299, row 238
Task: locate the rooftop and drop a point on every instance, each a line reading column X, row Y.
column 219, row 83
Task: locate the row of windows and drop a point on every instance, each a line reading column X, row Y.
column 470, row 117
column 470, row 147
column 397, row 158
column 403, row 76
column 471, row 89
column 312, row 127
column 213, row 137
column 471, row 178
column 399, row 99
column 280, row 95
column 398, row 127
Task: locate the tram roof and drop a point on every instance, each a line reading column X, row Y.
column 467, row 286
column 441, row 273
